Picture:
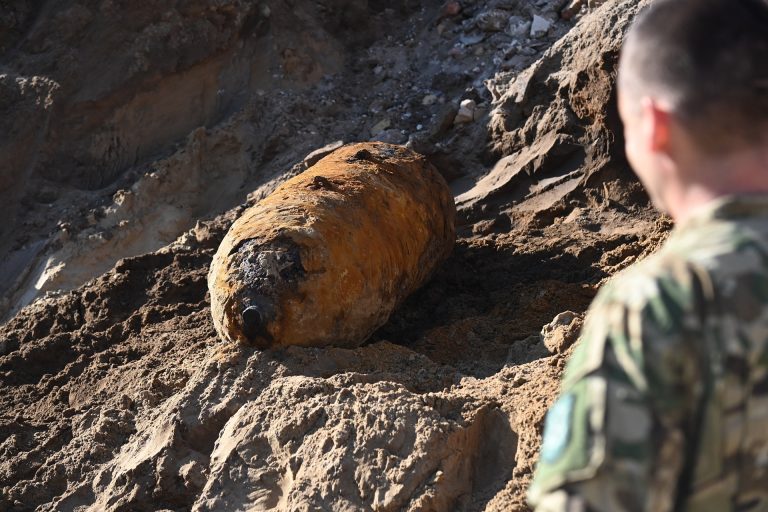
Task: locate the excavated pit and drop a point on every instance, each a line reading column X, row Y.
column 117, row 393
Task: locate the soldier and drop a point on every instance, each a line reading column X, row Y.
column 664, row 403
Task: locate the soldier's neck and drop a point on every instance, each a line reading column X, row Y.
column 740, row 173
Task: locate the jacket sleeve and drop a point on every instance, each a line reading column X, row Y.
column 615, row 439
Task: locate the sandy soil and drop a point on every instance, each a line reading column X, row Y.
column 138, row 135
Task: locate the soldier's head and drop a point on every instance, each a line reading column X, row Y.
column 693, row 95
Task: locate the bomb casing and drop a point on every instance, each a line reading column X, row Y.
column 327, row 257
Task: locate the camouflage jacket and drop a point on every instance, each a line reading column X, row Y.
column 664, row 403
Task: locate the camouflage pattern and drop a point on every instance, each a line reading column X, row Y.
column 664, row 403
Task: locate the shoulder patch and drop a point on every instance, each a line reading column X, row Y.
column 573, row 447
column 557, row 429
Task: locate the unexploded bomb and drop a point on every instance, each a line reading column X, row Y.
column 326, row 258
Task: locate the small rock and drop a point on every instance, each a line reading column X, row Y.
column 429, row 99
column 471, row 39
column 466, row 113
column 380, row 127
column 561, row 332
column 444, row 120
column 540, row 26
column 518, row 27
column 494, row 20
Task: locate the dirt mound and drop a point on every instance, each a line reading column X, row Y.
column 118, row 394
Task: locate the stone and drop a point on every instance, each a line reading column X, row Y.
column 380, row 126
column 518, row 27
column 471, row 39
column 494, row 20
column 540, row 26
column 466, row 113
column 429, row 99
column 562, row 331
column 444, row 120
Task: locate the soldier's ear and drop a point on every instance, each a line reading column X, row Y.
column 657, row 125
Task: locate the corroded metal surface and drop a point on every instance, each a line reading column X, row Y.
column 327, row 257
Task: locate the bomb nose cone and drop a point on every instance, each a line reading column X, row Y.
column 254, row 323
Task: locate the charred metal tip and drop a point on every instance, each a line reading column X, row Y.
column 363, row 154
column 254, row 323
